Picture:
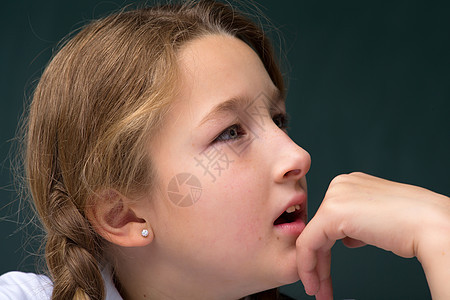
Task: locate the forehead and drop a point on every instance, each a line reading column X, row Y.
column 211, row 70
column 215, row 68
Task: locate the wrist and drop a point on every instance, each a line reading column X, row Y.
column 433, row 246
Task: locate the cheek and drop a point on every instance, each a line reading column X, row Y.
column 224, row 197
column 237, row 201
column 184, row 189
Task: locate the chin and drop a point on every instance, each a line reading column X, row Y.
column 284, row 276
column 289, row 273
column 290, row 277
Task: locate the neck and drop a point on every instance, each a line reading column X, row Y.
column 148, row 278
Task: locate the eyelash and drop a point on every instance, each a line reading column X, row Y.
column 281, row 120
column 284, row 121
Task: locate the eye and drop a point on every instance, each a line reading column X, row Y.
column 281, row 120
column 233, row 132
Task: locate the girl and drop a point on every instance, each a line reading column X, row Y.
column 159, row 164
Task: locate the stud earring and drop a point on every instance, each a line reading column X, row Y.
column 144, row 233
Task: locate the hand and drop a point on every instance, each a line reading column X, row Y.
column 361, row 209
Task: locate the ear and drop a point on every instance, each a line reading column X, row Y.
column 113, row 217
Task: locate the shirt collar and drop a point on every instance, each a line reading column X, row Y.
column 111, row 291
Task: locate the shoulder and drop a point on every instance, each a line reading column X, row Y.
column 30, row 286
column 19, row 285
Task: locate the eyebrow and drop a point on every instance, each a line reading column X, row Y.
column 235, row 104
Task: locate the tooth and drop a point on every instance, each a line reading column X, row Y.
column 290, row 209
column 297, row 207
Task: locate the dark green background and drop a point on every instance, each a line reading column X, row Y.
column 368, row 91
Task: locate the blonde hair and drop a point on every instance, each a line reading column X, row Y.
column 96, row 106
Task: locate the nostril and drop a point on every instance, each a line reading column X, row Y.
column 292, row 173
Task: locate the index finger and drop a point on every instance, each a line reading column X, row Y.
column 314, row 258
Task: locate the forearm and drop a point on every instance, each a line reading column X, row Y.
column 434, row 252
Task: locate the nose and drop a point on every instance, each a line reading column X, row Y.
column 291, row 162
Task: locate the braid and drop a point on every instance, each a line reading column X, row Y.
column 73, row 269
column 69, row 248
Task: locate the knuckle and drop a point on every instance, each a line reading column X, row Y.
column 346, row 178
column 357, row 174
column 339, row 181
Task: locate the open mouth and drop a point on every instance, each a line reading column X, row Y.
column 291, row 215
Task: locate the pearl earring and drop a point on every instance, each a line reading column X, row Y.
column 144, row 233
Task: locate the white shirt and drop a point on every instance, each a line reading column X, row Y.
column 30, row 286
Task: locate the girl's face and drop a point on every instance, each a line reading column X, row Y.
column 227, row 171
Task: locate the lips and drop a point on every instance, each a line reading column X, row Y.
column 292, row 219
column 288, row 217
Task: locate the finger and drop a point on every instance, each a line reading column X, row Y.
column 307, row 262
column 313, row 256
column 352, row 243
column 314, row 259
column 326, row 291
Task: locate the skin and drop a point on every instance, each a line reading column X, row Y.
column 361, row 209
column 225, row 246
